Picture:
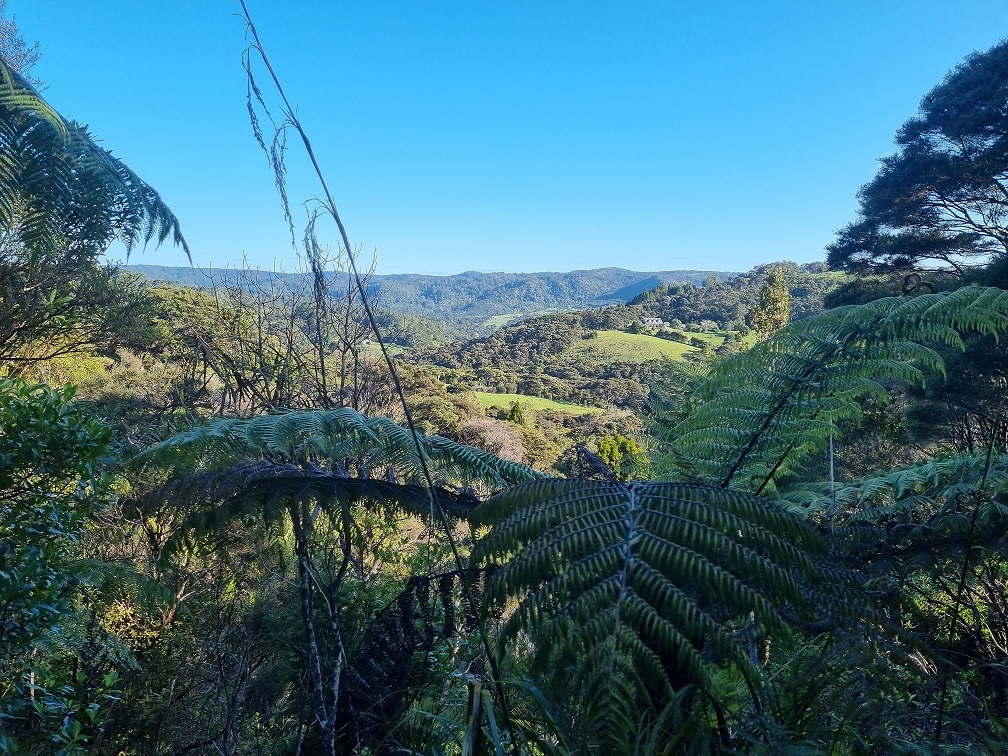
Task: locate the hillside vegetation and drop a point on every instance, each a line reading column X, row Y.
column 605, row 356
column 605, row 347
column 471, row 301
column 728, row 302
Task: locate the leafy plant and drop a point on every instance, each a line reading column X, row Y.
column 76, row 192
column 51, row 483
column 313, row 472
column 63, row 201
column 629, row 594
column 759, row 414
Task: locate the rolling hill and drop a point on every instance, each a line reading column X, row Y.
column 473, row 301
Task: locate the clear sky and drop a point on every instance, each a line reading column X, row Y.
column 512, row 135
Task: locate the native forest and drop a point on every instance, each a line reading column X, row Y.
column 604, row 512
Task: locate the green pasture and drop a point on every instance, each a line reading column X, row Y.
column 617, row 346
column 488, row 399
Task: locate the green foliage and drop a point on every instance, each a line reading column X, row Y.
column 915, row 515
column 63, row 201
column 516, row 414
column 625, row 457
column 626, row 607
column 773, row 304
column 637, row 617
column 341, row 440
column 730, row 303
column 51, row 483
column 757, row 415
column 931, row 534
column 74, row 192
column 320, row 476
column 547, row 357
column 941, row 198
column 630, row 593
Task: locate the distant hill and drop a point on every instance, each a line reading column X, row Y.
column 472, row 300
column 587, row 356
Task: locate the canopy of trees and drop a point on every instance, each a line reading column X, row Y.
column 943, row 198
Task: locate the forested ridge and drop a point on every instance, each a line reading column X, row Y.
column 467, row 300
column 228, row 524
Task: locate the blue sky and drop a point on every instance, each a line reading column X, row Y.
column 518, row 135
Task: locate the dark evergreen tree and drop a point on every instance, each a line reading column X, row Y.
column 943, row 197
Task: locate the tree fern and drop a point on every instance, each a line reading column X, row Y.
column 759, row 414
column 341, row 440
column 913, row 516
column 633, row 591
column 76, row 193
column 309, row 472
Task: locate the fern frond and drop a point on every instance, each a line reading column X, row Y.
column 16, row 93
column 269, row 492
column 759, row 414
column 58, row 187
column 389, row 668
column 645, row 580
column 936, row 482
column 913, row 513
column 335, row 439
column 75, row 638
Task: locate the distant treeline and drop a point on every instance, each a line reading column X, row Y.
column 727, row 302
column 468, row 299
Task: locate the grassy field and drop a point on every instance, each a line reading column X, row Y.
column 373, row 348
column 617, row 346
column 532, row 402
column 501, row 320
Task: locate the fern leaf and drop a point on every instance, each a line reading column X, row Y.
column 757, row 415
column 645, row 581
column 58, row 186
column 342, row 438
column 271, row 493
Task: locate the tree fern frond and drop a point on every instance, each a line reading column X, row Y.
column 650, row 577
column 760, row 413
column 270, row 492
column 936, row 482
column 389, row 668
column 16, row 93
column 340, row 437
column 919, row 513
column 76, row 193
